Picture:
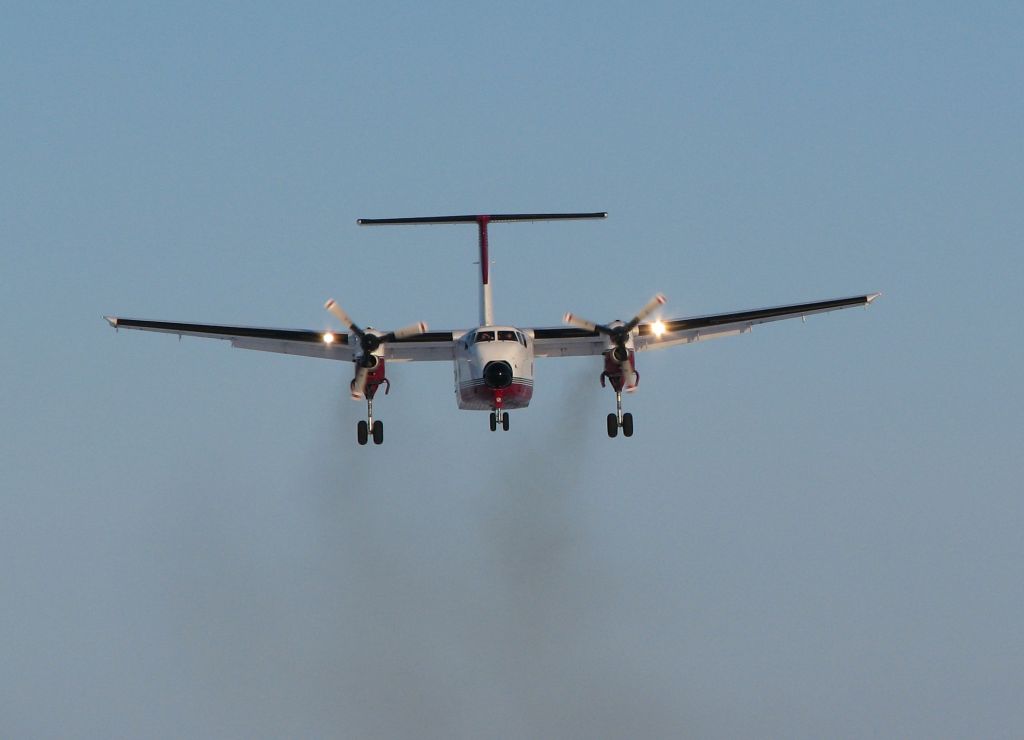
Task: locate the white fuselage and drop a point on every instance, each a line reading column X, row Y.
column 494, row 368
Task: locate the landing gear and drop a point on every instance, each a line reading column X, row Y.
column 620, row 372
column 364, row 429
column 620, row 420
column 499, row 417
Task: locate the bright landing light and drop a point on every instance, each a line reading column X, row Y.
column 658, row 327
column 328, row 337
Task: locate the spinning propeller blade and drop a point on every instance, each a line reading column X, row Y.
column 579, row 322
column 369, row 343
column 343, row 317
column 619, row 335
column 412, row 330
column 658, row 300
column 359, row 383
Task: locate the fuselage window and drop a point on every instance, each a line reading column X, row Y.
column 484, row 336
column 506, row 336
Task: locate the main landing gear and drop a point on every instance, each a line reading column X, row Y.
column 369, row 427
column 621, row 375
column 620, row 420
column 499, row 417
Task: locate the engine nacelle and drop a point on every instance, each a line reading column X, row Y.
column 620, row 369
column 376, row 375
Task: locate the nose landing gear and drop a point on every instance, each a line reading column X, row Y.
column 499, row 417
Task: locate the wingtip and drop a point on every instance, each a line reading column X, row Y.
column 873, row 296
column 112, row 320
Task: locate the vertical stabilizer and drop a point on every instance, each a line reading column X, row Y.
column 486, row 297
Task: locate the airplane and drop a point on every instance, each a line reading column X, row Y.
column 493, row 363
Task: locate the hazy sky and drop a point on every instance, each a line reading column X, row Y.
column 816, row 530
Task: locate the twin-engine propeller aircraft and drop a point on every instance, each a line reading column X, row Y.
column 493, row 363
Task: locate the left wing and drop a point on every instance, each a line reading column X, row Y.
column 570, row 341
column 435, row 345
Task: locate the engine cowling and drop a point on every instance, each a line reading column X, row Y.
column 375, row 372
column 620, row 369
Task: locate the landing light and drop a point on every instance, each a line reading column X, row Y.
column 658, row 327
column 328, row 337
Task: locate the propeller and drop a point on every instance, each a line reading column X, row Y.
column 369, row 342
column 619, row 334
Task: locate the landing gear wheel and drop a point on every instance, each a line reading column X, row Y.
column 504, row 422
column 613, row 425
column 494, row 422
column 378, row 432
column 627, row 425
column 362, row 432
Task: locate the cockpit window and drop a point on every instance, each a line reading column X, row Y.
column 500, row 335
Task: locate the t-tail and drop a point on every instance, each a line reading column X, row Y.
column 482, row 221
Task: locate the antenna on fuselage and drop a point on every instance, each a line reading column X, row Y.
column 482, row 221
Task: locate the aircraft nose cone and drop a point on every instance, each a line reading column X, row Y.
column 498, row 374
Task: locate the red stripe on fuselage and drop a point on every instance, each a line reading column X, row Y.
column 515, row 396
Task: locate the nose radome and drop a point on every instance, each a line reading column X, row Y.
column 498, row 374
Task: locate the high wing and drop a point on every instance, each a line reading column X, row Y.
column 435, row 345
column 571, row 341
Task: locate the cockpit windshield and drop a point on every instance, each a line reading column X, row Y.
column 499, row 335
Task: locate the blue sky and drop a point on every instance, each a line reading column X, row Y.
column 815, row 530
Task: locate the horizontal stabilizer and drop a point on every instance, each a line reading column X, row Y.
column 496, row 218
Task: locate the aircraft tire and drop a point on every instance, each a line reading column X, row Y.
column 613, row 425
column 627, row 424
column 378, row 432
column 504, row 422
column 362, row 432
column 494, row 422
